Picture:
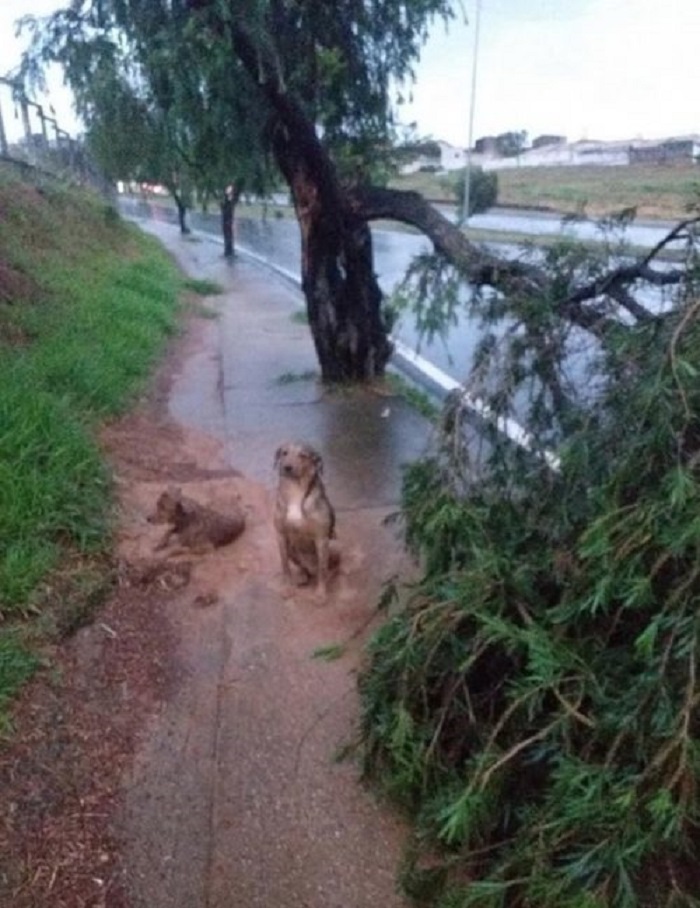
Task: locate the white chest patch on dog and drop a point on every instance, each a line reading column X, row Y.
column 295, row 515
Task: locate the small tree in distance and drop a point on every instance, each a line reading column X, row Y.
column 483, row 189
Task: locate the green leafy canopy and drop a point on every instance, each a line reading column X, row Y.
column 162, row 92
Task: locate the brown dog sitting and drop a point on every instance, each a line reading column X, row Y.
column 304, row 518
column 195, row 526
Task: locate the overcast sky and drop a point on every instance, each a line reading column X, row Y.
column 603, row 69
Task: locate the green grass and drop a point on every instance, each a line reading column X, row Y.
column 657, row 191
column 330, row 652
column 53, row 486
column 86, row 305
column 202, row 287
column 290, row 378
column 17, row 665
column 422, row 402
column 436, row 187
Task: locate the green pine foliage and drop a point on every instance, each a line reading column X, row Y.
column 534, row 701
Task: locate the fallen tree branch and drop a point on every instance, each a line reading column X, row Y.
column 514, row 277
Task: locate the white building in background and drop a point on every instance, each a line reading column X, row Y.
column 677, row 149
column 452, row 158
column 565, row 154
column 447, row 157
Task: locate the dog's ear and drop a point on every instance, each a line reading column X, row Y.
column 315, row 458
column 279, row 453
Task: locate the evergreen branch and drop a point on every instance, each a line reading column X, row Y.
column 573, row 710
column 674, row 234
column 622, row 296
column 515, row 750
column 680, row 739
column 616, row 282
column 688, row 316
column 692, row 698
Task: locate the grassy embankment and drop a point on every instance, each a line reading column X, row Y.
column 86, row 304
column 656, row 191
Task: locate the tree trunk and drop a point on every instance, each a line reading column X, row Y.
column 228, row 208
column 181, row 211
column 344, row 302
column 343, row 298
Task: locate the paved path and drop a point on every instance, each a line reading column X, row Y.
column 236, row 799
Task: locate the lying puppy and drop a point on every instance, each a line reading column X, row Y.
column 304, row 518
column 195, row 526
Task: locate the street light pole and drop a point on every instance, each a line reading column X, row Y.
column 470, row 139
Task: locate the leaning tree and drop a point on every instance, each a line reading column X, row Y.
column 323, row 74
column 310, row 83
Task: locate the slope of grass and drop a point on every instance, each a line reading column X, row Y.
column 86, row 304
column 656, row 191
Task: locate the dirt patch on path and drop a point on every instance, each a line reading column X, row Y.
column 90, row 814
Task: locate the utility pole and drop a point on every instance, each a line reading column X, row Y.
column 464, row 219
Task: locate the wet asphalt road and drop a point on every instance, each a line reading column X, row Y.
column 276, row 241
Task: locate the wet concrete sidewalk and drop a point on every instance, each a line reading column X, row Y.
column 237, row 798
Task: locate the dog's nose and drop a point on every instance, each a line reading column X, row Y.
column 288, row 469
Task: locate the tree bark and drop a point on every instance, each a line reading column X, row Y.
column 343, row 298
column 181, row 211
column 228, row 207
column 227, row 226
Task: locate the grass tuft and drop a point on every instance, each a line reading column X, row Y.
column 17, row 665
column 290, row 378
column 202, row 287
column 329, row 653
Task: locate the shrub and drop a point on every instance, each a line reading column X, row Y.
column 483, row 190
